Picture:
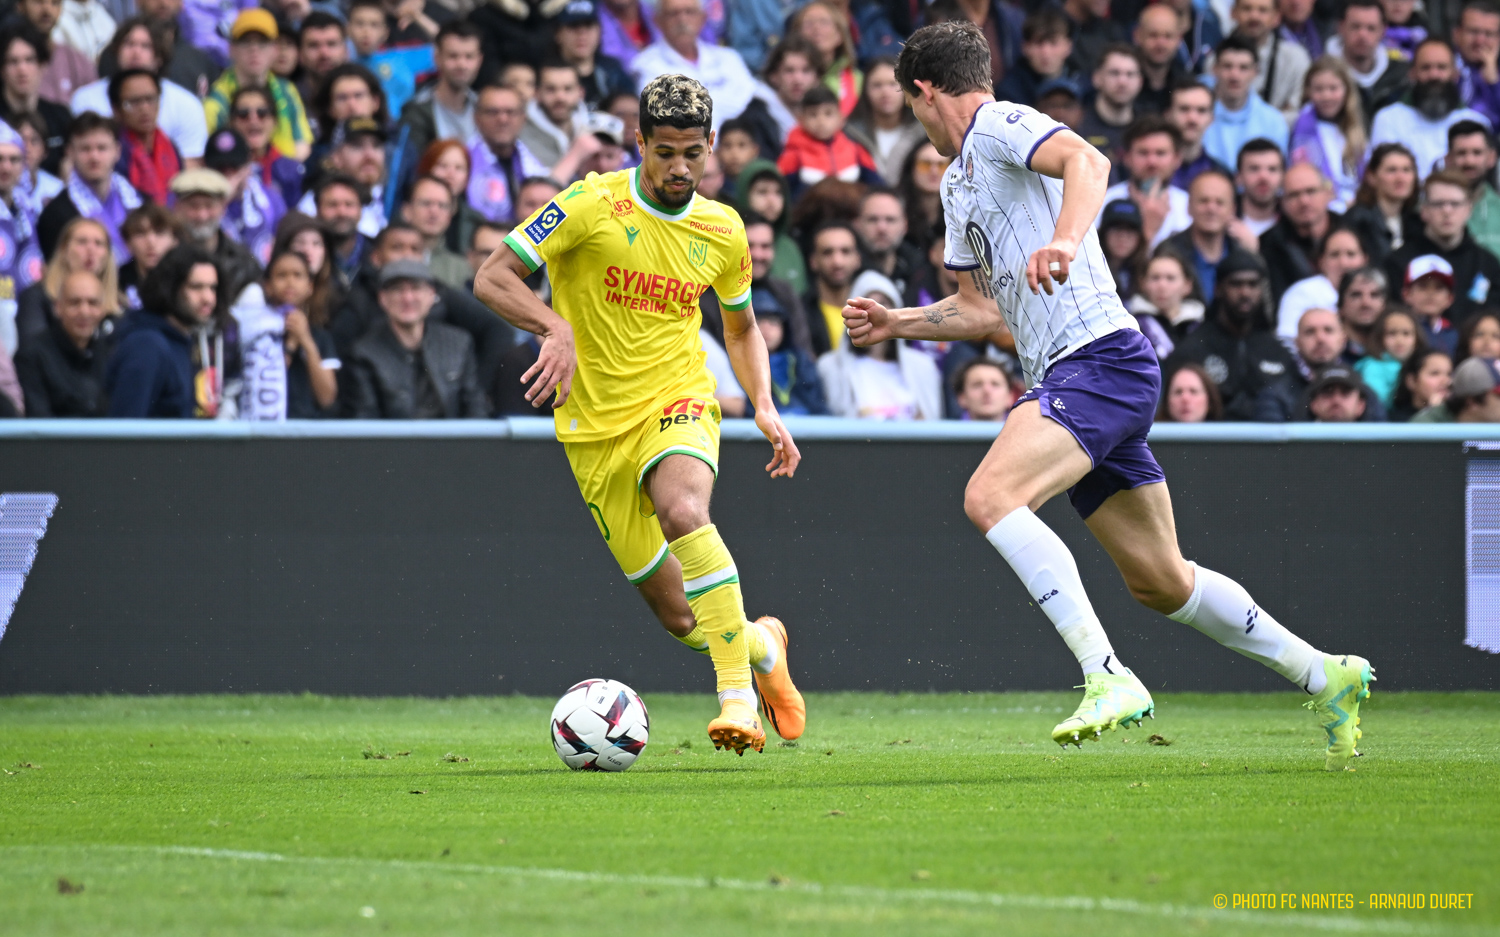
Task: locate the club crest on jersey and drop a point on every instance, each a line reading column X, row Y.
column 546, row 222
column 979, row 245
column 698, row 251
column 969, row 168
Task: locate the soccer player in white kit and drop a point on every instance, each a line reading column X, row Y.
column 1020, row 201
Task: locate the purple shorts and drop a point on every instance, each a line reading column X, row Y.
column 1105, row 394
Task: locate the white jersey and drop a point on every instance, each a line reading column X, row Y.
column 999, row 212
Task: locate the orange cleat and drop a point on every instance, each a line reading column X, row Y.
column 779, row 698
column 737, row 728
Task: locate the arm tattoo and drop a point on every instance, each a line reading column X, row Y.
column 982, row 284
column 946, row 309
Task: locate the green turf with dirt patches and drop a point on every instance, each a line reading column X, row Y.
column 901, row 814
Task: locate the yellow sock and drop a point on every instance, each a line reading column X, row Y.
column 755, row 643
column 713, row 590
column 695, row 639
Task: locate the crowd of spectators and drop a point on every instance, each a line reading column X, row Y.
column 230, row 209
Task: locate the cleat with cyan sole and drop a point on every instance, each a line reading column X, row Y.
column 1108, row 700
column 779, row 698
column 737, row 728
column 1349, row 680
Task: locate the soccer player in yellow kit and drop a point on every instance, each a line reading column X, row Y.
column 629, row 254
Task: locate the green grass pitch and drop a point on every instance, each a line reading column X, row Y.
column 900, row 814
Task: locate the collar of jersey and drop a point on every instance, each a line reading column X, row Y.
column 970, row 129
column 654, row 208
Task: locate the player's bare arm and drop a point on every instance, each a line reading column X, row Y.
column 969, row 314
column 1085, row 175
column 499, row 286
column 747, row 353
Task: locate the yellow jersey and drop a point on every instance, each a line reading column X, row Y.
column 627, row 273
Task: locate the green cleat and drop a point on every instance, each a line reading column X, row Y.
column 1349, row 680
column 1109, row 700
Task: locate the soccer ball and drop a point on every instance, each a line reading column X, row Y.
column 599, row 725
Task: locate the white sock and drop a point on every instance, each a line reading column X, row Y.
column 1222, row 609
column 747, row 696
column 1047, row 570
column 767, row 663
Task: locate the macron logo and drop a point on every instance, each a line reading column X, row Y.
column 1043, row 599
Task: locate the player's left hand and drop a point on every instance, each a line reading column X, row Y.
column 786, row 457
column 1049, row 264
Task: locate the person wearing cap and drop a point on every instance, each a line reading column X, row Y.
column 94, row 189
column 609, row 130
column 444, row 109
column 1123, row 240
column 682, row 50
column 251, row 49
column 1117, row 83
column 201, row 199
column 207, row 25
column 1046, row 44
column 1427, row 289
column 577, row 40
column 358, row 151
column 1237, row 344
column 407, row 367
column 1061, row 100
column 396, row 66
column 1446, row 206
column 1153, row 151
column 1473, row 396
column 1337, row 395
column 1240, row 115
column 1191, row 111
column 179, row 112
column 24, row 52
column 148, row 158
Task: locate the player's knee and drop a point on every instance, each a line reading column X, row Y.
column 987, row 503
column 1162, row 590
column 681, row 516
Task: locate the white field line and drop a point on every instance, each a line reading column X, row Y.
column 1079, row 903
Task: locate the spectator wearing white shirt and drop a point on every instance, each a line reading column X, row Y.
column 681, row 51
column 1152, row 152
column 1423, row 124
column 181, row 115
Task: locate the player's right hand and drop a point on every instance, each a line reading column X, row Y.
column 554, row 368
column 867, row 322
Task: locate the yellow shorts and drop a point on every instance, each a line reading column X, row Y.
column 610, row 471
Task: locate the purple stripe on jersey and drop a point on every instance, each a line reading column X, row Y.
column 1037, row 145
column 960, row 266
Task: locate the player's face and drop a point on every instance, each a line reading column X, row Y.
column 673, row 163
column 924, row 106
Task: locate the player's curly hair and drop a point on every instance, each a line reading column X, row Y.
column 953, row 55
column 675, row 101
